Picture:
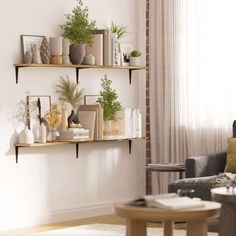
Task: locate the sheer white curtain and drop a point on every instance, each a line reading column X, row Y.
column 192, row 78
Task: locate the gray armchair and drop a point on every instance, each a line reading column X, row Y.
column 200, row 170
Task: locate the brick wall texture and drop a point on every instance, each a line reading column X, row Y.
column 148, row 141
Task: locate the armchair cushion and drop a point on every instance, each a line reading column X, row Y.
column 201, row 185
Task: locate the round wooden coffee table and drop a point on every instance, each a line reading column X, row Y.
column 227, row 197
column 196, row 218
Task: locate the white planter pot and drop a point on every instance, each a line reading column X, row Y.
column 134, row 61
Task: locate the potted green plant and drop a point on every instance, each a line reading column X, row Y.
column 68, row 92
column 134, row 58
column 110, row 104
column 78, row 29
column 119, row 30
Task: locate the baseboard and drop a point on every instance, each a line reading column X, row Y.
column 23, row 221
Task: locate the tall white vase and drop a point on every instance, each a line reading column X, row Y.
column 42, row 133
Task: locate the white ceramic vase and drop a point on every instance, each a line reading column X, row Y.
column 26, row 136
column 42, row 133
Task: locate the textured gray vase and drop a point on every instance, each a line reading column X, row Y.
column 77, row 53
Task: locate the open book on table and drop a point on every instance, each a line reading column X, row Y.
column 169, row 201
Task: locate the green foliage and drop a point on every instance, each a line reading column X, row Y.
column 119, row 30
column 108, row 100
column 77, row 27
column 68, row 92
column 135, row 53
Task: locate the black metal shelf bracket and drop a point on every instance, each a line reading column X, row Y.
column 77, row 150
column 17, row 72
column 16, row 153
column 130, row 146
column 77, row 75
column 130, row 75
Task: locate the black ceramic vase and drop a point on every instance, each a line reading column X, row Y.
column 72, row 118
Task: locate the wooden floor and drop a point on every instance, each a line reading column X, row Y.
column 108, row 219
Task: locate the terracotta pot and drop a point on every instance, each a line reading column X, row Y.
column 77, row 53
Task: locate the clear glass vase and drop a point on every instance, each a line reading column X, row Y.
column 52, row 134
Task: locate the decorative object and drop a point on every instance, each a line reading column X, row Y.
column 77, row 53
column 42, row 133
column 89, row 60
column 28, row 57
column 72, row 119
column 35, row 54
column 26, row 136
column 53, row 118
column 119, row 30
column 125, row 50
column 64, row 122
column 134, row 58
column 78, row 29
column 28, row 40
column 56, row 60
column 36, row 106
column 44, row 51
column 55, row 45
column 65, row 51
column 108, row 130
column 108, row 100
column 116, row 59
column 68, row 92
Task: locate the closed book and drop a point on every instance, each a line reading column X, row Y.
column 98, row 132
column 104, row 32
column 87, row 119
column 96, row 49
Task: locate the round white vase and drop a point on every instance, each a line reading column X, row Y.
column 26, row 136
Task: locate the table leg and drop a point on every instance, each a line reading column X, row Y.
column 135, row 228
column 197, row 228
column 168, row 228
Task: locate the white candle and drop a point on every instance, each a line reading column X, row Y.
column 55, row 45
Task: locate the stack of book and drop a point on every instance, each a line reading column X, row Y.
column 73, row 134
column 104, row 48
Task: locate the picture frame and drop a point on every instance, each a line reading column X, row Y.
column 125, row 50
column 37, row 105
column 28, row 40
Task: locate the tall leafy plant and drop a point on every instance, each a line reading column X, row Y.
column 77, row 27
column 108, row 100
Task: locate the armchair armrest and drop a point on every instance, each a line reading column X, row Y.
column 206, row 165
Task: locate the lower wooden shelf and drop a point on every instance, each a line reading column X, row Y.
column 76, row 142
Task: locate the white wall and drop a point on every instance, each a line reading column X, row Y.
column 49, row 183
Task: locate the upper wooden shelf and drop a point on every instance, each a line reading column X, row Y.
column 77, row 67
column 77, row 142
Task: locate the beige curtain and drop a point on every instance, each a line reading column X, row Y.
column 191, row 86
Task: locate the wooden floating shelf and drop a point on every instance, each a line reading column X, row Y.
column 76, row 142
column 77, row 67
